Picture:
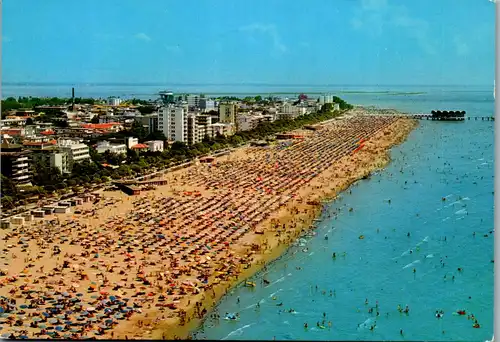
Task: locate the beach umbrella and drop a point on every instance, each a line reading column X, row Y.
column 42, row 326
column 6, row 335
column 80, row 295
column 53, row 321
column 46, row 314
column 59, row 328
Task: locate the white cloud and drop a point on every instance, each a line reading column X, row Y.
column 375, row 16
column 270, row 30
column 142, row 36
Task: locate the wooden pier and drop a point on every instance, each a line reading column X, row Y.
column 430, row 117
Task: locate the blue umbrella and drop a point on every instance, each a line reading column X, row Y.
column 74, row 299
column 108, row 321
column 68, row 322
column 42, row 326
column 2, row 310
column 46, row 314
column 52, row 321
column 84, row 313
column 23, row 306
column 79, row 294
column 36, row 319
column 59, row 328
column 80, row 318
column 112, row 298
column 23, row 337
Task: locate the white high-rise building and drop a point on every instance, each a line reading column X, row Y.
column 327, row 98
column 193, row 100
column 172, row 121
column 76, row 151
column 114, row 101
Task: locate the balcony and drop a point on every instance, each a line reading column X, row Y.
column 20, row 166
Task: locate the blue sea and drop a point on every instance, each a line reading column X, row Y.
column 413, row 248
column 414, row 244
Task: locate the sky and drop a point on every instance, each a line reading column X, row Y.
column 313, row 42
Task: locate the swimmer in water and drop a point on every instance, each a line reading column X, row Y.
column 334, row 255
column 305, row 325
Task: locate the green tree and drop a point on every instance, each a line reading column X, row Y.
column 156, row 135
column 137, row 130
column 8, row 188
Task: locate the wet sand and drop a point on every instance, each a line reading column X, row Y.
column 151, row 265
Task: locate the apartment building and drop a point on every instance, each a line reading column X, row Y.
column 104, row 146
column 148, row 121
column 76, row 150
column 249, row 121
column 225, row 129
column 173, row 122
column 154, row 145
column 206, row 105
column 15, row 164
column 131, row 141
column 227, row 112
column 194, row 100
column 288, row 111
column 52, row 157
column 114, row 101
column 325, row 98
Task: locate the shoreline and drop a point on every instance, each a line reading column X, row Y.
column 171, row 330
column 174, row 251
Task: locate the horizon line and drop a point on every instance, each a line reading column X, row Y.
column 20, row 83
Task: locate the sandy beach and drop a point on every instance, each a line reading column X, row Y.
column 152, row 265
